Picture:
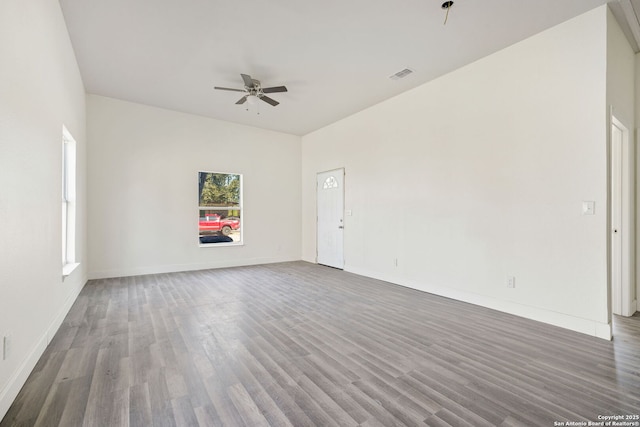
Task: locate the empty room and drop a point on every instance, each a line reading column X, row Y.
column 319, row 213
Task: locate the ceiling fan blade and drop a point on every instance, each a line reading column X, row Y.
column 242, row 100
column 274, row 89
column 228, row 88
column 269, row 100
column 248, row 81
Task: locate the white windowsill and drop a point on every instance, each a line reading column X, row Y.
column 211, row 245
column 67, row 269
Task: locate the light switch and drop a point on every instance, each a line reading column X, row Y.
column 348, row 212
column 588, row 208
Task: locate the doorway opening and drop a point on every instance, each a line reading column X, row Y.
column 622, row 271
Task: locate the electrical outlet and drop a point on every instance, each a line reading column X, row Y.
column 511, row 282
column 6, row 346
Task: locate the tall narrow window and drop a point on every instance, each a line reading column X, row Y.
column 68, row 203
column 219, row 208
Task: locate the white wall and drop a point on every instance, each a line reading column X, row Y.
column 621, row 101
column 40, row 90
column 636, row 138
column 480, row 175
column 143, row 204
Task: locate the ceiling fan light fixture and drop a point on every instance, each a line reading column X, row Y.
column 252, row 99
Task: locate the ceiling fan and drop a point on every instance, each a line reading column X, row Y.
column 254, row 91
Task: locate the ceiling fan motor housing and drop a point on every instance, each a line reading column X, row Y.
column 256, row 83
column 255, row 89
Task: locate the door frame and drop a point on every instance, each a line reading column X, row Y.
column 624, row 173
column 344, row 178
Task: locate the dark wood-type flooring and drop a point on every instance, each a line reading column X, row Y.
column 297, row 344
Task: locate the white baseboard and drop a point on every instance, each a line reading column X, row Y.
column 585, row 326
column 173, row 268
column 19, row 377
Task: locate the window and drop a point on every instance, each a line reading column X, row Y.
column 329, row 183
column 219, row 208
column 68, row 203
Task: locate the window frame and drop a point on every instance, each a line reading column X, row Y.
column 239, row 208
column 69, row 188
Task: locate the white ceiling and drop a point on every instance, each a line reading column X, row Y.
column 335, row 57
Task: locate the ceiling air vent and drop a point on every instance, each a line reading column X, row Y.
column 401, row 74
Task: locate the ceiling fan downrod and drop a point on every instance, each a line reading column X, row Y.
column 446, row 5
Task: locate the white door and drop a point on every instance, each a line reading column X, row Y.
column 330, row 203
column 623, row 301
column 616, row 219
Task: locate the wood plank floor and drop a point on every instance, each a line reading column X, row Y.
column 297, row 344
